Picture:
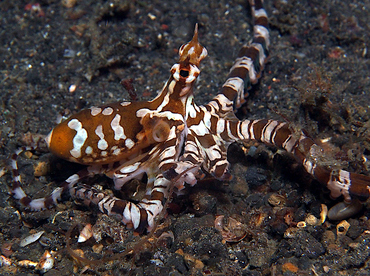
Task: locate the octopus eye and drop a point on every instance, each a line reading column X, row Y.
column 184, row 73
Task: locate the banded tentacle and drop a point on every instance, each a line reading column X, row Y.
column 139, row 217
column 209, row 134
column 250, row 62
column 36, row 204
column 306, row 151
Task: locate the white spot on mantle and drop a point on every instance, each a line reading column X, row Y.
column 79, row 139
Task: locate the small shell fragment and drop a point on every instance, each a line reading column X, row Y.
column 85, row 234
column 4, row 261
column 28, row 264
column 152, row 16
column 342, row 228
column 277, row 200
column 46, row 262
column 323, row 213
column 2, row 171
column 72, row 88
column 31, row 239
column 6, row 249
column 233, row 231
column 312, row 220
column 301, row 224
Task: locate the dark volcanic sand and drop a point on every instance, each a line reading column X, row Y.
column 317, row 78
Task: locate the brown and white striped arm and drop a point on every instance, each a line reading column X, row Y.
column 250, row 62
column 139, row 217
column 306, row 152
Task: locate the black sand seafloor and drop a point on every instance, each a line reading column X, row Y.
column 60, row 56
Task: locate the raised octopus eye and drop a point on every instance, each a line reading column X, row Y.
column 161, row 131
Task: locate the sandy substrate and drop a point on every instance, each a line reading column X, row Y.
column 62, row 56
